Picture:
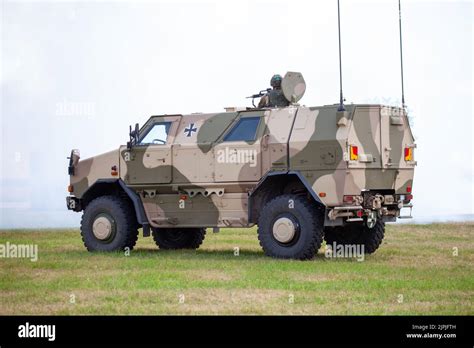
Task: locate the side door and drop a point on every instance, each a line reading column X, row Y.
column 275, row 149
column 193, row 152
column 237, row 154
column 150, row 160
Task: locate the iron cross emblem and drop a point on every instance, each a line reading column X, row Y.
column 190, row 129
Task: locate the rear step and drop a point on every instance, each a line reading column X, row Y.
column 408, row 205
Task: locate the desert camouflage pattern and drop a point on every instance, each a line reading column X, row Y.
column 198, row 179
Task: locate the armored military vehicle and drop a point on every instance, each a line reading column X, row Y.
column 301, row 174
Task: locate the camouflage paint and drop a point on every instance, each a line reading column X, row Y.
column 312, row 141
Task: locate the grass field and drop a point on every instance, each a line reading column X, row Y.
column 414, row 272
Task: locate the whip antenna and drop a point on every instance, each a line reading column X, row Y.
column 341, row 97
column 401, row 51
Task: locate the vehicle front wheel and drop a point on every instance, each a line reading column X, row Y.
column 179, row 238
column 290, row 227
column 109, row 224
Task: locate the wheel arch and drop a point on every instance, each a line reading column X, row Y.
column 274, row 184
column 117, row 187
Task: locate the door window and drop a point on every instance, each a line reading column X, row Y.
column 156, row 135
column 244, row 130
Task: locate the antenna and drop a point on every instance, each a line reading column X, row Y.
column 401, row 51
column 341, row 97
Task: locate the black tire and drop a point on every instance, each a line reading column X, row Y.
column 179, row 238
column 120, row 214
column 360, row 234
column 306, row 219
column 337, row 234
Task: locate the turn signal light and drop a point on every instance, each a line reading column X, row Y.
column 114, row 171
column 354, row 153
column 70, row 189
column 408, row 154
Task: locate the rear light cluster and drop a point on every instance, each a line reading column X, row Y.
column 408, row 154
column 409, row 196
column 352, row 199
column 354, row 153
column 404, row 198
column 348, row 199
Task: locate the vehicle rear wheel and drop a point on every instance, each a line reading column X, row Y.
column 179, row 238
column 290, row 227
column 109, row 224
column 359, row 234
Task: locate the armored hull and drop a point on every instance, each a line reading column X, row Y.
column 221, row 170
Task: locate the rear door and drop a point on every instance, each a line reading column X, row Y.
column 396, row 137
column 237, row 154
column 364, row 138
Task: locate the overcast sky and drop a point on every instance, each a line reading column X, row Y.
column 76, row 74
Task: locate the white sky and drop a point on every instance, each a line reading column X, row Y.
column 117, row 63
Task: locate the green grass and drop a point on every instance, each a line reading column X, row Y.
column 413, row 272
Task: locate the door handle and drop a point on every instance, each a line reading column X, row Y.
column 265, row 141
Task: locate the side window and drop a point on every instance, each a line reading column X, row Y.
column 244, row 130
column 157, row 134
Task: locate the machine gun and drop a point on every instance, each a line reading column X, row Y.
column 259, row 95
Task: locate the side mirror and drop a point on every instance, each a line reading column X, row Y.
column 73, row 161
column 134, row 135
column 137, row 132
